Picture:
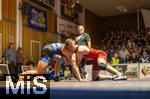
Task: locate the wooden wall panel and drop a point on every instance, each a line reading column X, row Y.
column 52, row 37
column 122, row 22
column 31, row 34
column 8, row 31
column 14, row 10
column 9, row 9
column 1, row 26
column 52, row 22
column 4, row 8
column 26, row 42
column 92, row 26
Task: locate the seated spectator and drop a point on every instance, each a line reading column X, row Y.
column 110, row 53
column 31, row 64
column 19, row 60
column 3, row 60
column 127, row 59
column 123, row 52
column 1, row 76
column 115, row 59
column 67, row 73
column 134, row 58
column 145, row 58
column 61, row 73
column 127, row 42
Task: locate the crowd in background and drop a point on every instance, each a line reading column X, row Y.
column 127, row 46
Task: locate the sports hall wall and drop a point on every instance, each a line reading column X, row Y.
column 122, row 22
column 8, row 28
column 99, row 26
column 92, row 24
column 8, row 23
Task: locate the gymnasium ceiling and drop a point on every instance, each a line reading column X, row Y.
column 106, row 8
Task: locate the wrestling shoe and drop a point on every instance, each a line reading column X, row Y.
column 120, row 77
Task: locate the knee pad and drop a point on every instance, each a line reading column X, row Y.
column 102, row 66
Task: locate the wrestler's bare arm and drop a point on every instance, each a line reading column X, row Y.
column 89, row 43
column 75, row 67
column 71, row 59
column 82, row 50
column 67, row 55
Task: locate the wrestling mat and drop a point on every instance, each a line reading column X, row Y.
column 105, row 89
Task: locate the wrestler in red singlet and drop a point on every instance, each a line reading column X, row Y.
column 94, row 55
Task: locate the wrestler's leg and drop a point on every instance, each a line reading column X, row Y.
column 57, row 67
column 113, row 70
column 41, row 67
column 102, row 64
column 97, row 76
column 57, row 64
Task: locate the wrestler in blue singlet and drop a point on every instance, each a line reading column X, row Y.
column 52, row 50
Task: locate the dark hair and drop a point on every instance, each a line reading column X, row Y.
column 30, row 62
column 4, row 57
column 9, row 46
column 45, row 52
column 68, row 41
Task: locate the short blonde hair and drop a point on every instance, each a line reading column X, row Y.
column 81, row 26
column 68, row 41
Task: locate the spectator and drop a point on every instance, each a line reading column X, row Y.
column 31, row 64
column 3, row 60
column 134, row 58
column 19, row 59
column 127, row 59
column 115, row 59
column 123, row 52
column 61, row 73
column 11, row 57
column 67, row 73
column 145, row 58
column 1, row 76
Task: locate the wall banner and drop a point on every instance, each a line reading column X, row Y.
column 37, row 19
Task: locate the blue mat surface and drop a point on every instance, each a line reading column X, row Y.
column 128, row 89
